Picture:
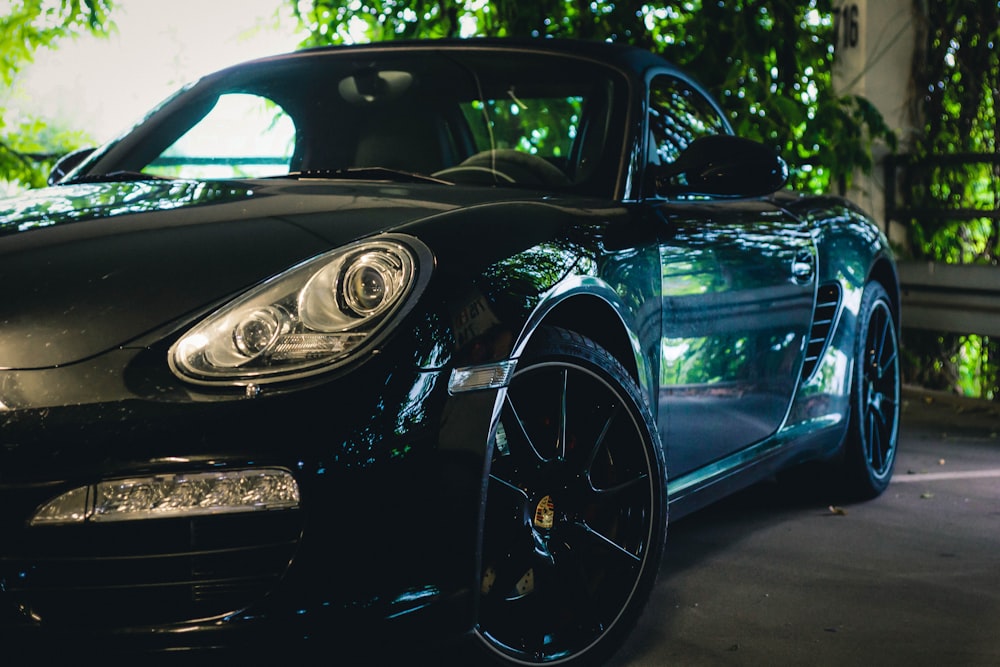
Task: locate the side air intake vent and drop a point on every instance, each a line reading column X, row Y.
column 827, row 305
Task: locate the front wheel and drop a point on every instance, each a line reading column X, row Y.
column 870, row 448
column 576, row 508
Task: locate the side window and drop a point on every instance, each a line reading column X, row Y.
column 678, row 114
column 243, row 136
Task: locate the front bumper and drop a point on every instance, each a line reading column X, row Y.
column 390, row 468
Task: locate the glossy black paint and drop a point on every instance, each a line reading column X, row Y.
column 719, row 166
column 735, row 318
column 708, row 303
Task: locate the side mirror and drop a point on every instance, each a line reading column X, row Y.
column 722, row 166
column 68, row 163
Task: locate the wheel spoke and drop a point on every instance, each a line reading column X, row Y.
column 599, row 442
column 509, row 486
column 881, row 446
column 627, row 485
column 561, row 444
column 523, row 431
column 597, row 539
column 881, row 327
column 874, row 447
column 885, row 438
column 887, row 352
column 877, row 411
column 888, row 364
column 569, row 593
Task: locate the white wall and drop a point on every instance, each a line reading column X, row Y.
column 873, row 58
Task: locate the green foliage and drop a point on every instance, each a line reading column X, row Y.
column 27, row 150
column 546, row 127
column 30, row 25
column 956, row 69
column 964, row 364
column 347, row 21
column 768, row 61
column 774, row 79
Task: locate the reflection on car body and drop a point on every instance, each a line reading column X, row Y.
column 417, row 340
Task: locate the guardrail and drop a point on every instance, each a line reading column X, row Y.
column 955, row 298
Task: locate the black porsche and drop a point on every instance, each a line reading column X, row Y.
column 372, row 346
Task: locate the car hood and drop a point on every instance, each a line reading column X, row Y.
column 88, row 268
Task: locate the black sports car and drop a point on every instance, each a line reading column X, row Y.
column 383, row 344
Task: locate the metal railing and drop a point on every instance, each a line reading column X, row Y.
column 894, row 186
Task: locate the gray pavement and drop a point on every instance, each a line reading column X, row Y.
column 780, row 575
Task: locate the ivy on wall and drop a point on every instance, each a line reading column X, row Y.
column 956, row 76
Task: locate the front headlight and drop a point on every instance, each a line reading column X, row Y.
column 309, row 319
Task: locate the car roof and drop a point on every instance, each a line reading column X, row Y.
column 632, row 59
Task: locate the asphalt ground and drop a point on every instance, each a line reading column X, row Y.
column 785, row 573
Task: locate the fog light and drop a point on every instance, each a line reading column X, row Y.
column 173, row 495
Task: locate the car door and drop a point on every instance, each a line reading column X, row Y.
column 737, row 283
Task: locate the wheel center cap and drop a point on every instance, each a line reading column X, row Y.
column 874, row 398
column 545, row 513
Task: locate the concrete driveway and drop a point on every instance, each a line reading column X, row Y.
column 780, row 576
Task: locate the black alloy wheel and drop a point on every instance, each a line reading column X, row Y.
column 576, row 508
column 875, row 401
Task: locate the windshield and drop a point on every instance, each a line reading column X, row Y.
column 459, row 115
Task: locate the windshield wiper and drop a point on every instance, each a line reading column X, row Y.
column 366, row 174
column 114, row 177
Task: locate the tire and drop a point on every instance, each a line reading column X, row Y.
column 870, row 445
column 576, row 509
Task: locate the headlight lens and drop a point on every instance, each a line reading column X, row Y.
column 173, row 495
column 371, row 284
column 314, row 316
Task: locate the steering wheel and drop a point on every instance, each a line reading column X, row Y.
column 506, row 166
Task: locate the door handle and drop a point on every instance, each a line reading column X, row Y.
column 802, row 268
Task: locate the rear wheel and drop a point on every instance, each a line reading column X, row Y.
column 870, row 448
column 576, row 508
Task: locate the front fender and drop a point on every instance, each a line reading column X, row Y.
column 590, row 306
